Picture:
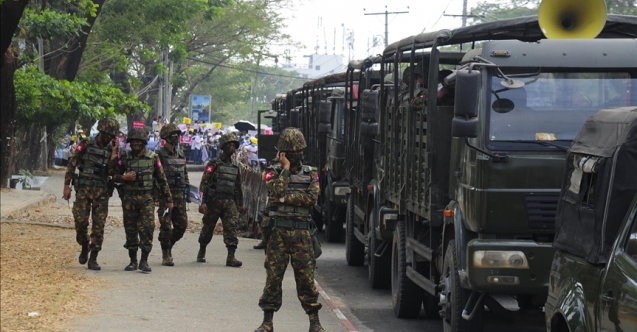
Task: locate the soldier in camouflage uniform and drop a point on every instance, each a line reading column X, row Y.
column 420, row 87
column 138, row 169
column 293, row 190
column 172, row 226
column 222, row 197
column 93, row 157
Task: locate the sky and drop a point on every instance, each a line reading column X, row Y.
column 310, row 20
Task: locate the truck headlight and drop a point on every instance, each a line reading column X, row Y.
column 341, row 191
column 500, row 259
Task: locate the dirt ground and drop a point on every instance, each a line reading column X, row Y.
column 41, row 286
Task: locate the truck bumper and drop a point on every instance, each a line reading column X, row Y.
column 531, row 280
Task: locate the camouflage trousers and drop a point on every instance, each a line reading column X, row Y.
column 289, row 245
column 173, row 226
column 139, row 223
column 90, row 199
column 227, row 210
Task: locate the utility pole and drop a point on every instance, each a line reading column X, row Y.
column 386, row 13
column 44, row 153
column 167, row 88
column 160, row 92
column 254, row 90
column 464, row 14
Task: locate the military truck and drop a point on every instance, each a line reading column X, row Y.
column 593, row 279
column 469, row 191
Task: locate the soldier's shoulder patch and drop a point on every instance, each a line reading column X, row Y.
column 120, row 162
column 80, row 148
column 316, row 177
column 158, row 163
column 268, row 175
column 210, row 168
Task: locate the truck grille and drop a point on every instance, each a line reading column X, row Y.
column 540, row 210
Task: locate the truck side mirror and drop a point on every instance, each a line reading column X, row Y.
column 465, row 122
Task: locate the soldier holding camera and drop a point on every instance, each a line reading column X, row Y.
column 138, row 170
column 93, row 157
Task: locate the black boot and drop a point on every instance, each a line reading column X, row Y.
column 132, row 266
column 315, row 324
column 166, row 258
column 231, row 261
column 83, row 255
column 92, row 261
column 267, row 325
column 143, row 262
column 201, row 255
column 260, row 245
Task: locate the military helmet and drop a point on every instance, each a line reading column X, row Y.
column 291, row 139
column 137, row 133
column 109, row 126
column 228, row 138
column 169, row 129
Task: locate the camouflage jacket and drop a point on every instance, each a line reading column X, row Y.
column 158, row 174
column 277, row 180
column 208, row 176
column 75, row 160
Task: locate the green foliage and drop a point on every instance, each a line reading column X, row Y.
column 25, row 178
column 49, row 24
column 44, row 100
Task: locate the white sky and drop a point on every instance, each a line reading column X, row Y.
column 304, row 26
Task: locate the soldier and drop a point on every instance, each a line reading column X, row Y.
column 222, row 197
column 138, row 169
column 293, row 190
column 173, row 226
column 94, row 157
column 420, row 87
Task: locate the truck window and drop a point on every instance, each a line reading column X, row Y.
column 554, row 106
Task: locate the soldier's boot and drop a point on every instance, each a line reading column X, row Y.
column 231, row 261
column 132, row 266
column 92, row 261
column 315, row 324
column 83, row 255
column 260, row 245
column 201, row 255
column 267, row 325
column 166, row 258
column 143, row 262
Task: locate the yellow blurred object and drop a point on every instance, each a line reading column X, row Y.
column 204, row 124
column 560, row 19
column 187, row 120
column 254, row 140
column 74, row 138
column 545, row 137
column 191, row 130
column 216, row 124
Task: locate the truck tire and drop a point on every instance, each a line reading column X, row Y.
column 456, row 297
column 333, row 221
column 379, row 267
column 406, row 295
column 354, row 249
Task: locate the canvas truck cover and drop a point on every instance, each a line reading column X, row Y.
column 599, row 184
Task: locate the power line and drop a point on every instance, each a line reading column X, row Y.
column 241, row 69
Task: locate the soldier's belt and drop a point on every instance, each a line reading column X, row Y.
column 221, row 196
column 91, row 183
column 138, row 192
column 291, row 224
column 290, row 209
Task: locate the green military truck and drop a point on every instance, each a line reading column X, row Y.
column 468, row 190
column 593, row 279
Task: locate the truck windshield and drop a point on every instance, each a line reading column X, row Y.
column 554, row 106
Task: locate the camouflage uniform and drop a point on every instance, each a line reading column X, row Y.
column 92, row 189
column 137, row 198
column 173, row 226
column 293, row 193
column 222, row 194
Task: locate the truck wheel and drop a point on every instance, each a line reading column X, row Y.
column 333, row 222
column 406, row 296
column 354, row 249
column 379, row 267
column 453, row 298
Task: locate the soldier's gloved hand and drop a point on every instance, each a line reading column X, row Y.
column 203, row 208
column 241, row 209
column 130, row 176
column 67, row 192
column 115, row 148
column 169, row 206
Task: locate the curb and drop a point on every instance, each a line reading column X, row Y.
column 43, row 199
column 346, row 323
column 15, row 221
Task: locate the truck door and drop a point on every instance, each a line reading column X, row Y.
column 618, row 295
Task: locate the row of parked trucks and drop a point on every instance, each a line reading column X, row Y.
column 448, row 186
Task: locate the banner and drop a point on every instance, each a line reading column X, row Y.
column 200, row 108
column 138, row 124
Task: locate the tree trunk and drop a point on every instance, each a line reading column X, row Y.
column 8, row 108
column 10, row 15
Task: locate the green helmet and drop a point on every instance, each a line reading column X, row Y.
column 291, row 139
column 169, row 129
column 109, row 126
column 228, row 138
column 137, row 133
